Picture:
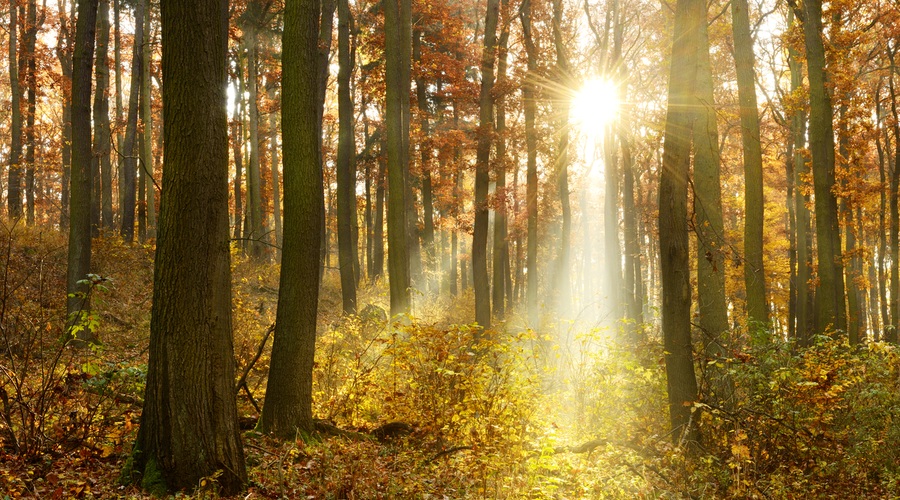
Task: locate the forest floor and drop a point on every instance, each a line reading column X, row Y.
column 418, row 409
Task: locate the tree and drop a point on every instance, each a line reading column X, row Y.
column 288, row 405
column 528, row 96
column 101, row 203
column 189, row 426
column 79, row 259
column 501, row 232
column 14, row 182
column 673, row 218
column 31, row 29
column 482, row 167
column 830, row 301
column 754, row 273
column 253, row 22
column 346, row 171
column 147, row 122
column 129, row 164
column 63, row 53
column 397, row 21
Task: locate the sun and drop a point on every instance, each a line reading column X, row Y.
column 595, row 106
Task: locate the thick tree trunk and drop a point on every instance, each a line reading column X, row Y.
column 288, row 403
column 673, row 219
column 830, row 302
column 710, row 228
column 482, row 168
column 346, row 161
column 189, row 427
column 396, row 22
column 129, row 166
column 79, row 258
column 754, row 272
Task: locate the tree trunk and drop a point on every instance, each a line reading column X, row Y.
column 101, row 204
column 531, row 187
column 710, row 228
column 288, row 403
column 891, row 334
column 482, row 168
column 673, row 220
column 63, row 53
column 189, row 427
column 129, row 166
column 120, row 136
column 562, row 283
column 14, row 184
column 754, row 273
column 237, row 144
column 425, row 152
column 255, row 11
column 31, row 29
column 147, row 120
column 378, row 224
column 830, row 301
column 346, row 161
column 276, row 183
column 501, row 232
column 396, row 122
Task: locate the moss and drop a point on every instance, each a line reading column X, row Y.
column 152, row 481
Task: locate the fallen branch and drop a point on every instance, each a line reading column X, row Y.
column 447, row 452
column 586, row 447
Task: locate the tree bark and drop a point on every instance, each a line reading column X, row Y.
column 754, row 272
column 147, row 121
column 562, row 282
column 346, row 161
column 288, row 404
column 276, row 182
column 528, row 95
column 673, row 220
column 31, row 29
column 63, row 47
column 101, row 203
column 501, row 232
column 830, row 302
column 482, row 168
column 189, row 428
column 396, row 122
column 14, row 181
column 129, row 165
column 255, row 13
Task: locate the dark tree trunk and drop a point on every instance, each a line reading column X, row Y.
column 31, row 29
column 14, row 181
column 189, row 427
column 79, row 259
column 531, row 187
column 673, row 220
column 288, row 404
column 482, row 168
column 346, row 161
column 501, row 232
column 63, row 47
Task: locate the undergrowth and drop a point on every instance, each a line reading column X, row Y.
column 432, row 408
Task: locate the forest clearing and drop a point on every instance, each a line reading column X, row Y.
column 349, row 249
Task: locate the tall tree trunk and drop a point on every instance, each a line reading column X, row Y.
column 378, row 224
column 101, row 204
column 79, row 258
column 14, row 184
column 501, row 232
column 31, row 29
column 710, row 227
column 255, row 12
column 531, row 187
column 237, row 144
column 673, row 219
column 189, row 427
column 276, row 182
column 754, row 272
column 147, row 121
column 562, row 283
column 396, row 23
column 346, row 160
column 804, row 295
column 425, row 152
column 891, row 334
column 288, row 403
column 129, row 166
column 830, row 301
column 482, row 167
column 120, row 136
column 63, row 53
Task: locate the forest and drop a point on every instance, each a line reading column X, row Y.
column 348, row 249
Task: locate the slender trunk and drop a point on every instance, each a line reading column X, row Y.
column 501, row 233
column 274, row 148
column 14, row 183
column 147, row 121
column 531, row 187
column 120, row 121
column 346, row 164
column 562, row 283
column 378, row 229
column 31, row 29
column 101, row 204
column 129, row 167
column 237, row 146
column 425, row 152
column 254, row 183
column 63, row 46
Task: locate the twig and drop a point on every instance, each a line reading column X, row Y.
column 259, row 353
